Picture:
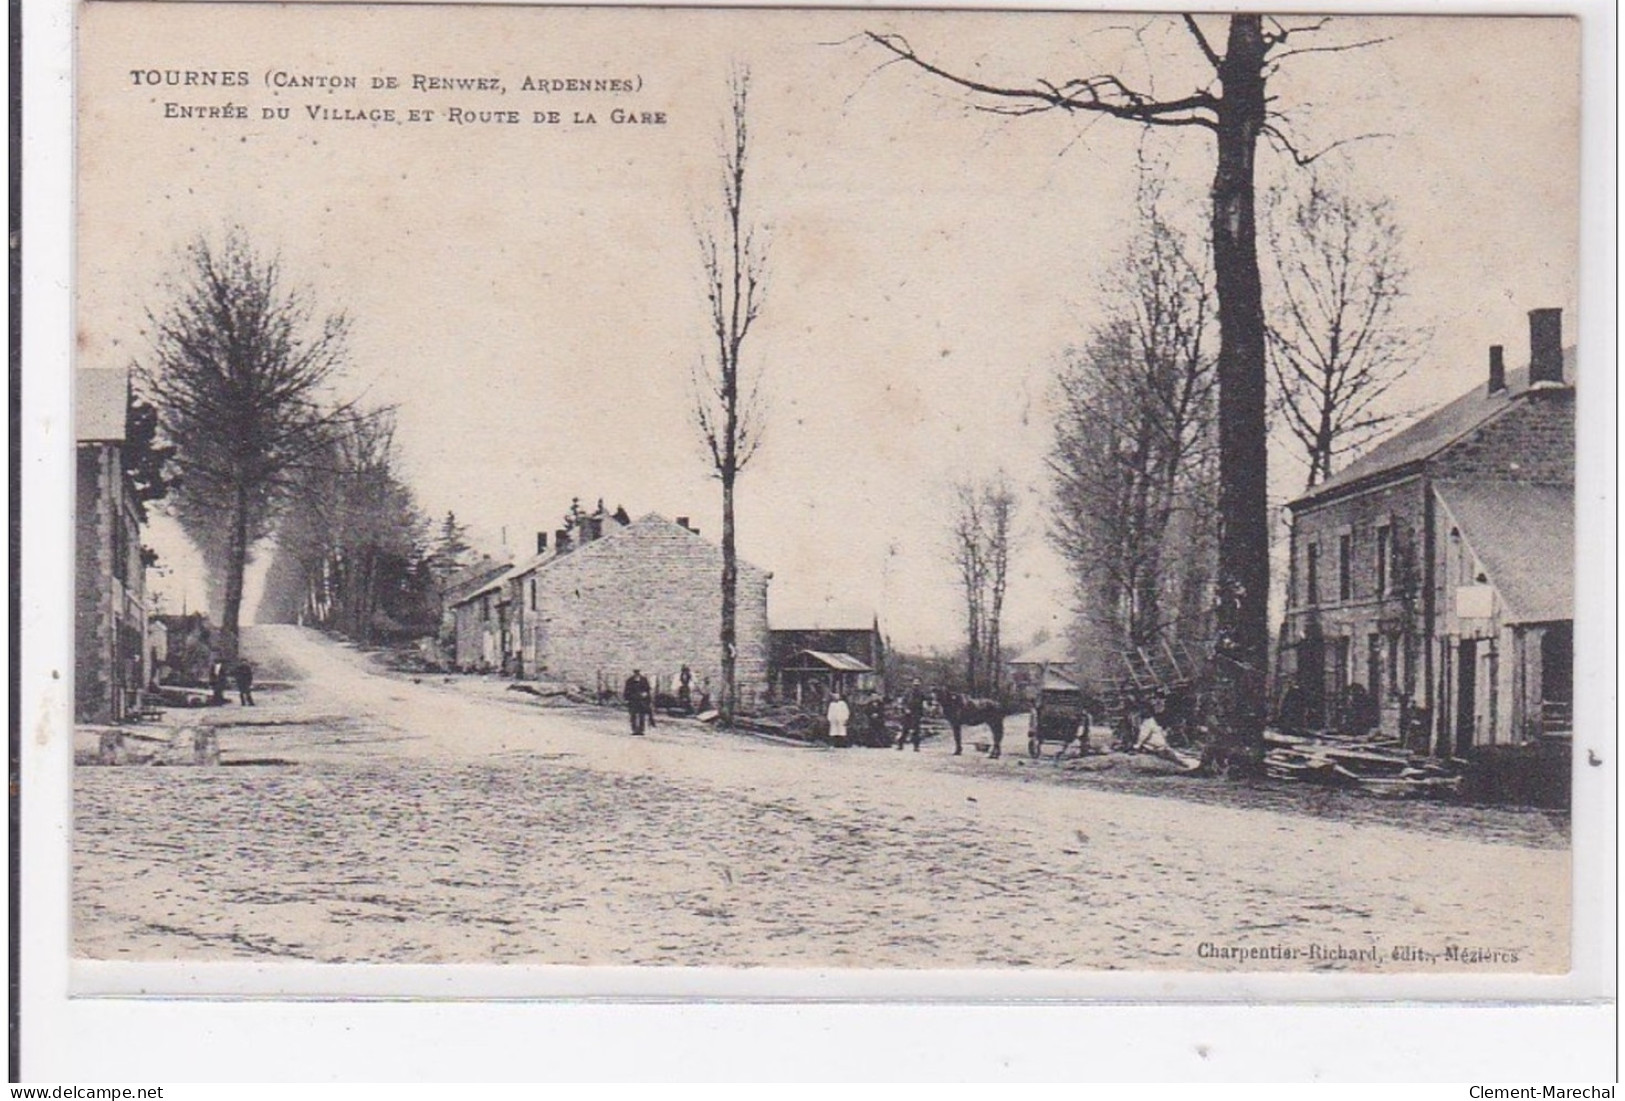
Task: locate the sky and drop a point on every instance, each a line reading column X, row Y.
column 530, row 298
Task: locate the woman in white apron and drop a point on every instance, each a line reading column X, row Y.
column 838, row 715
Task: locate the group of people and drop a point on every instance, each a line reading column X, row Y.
column 1353, row 711
column 240, row 672
column 641, row 698
column 839, row 717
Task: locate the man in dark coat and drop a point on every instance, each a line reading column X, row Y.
column 243, row 674
column 639, row 700
column 913, row 714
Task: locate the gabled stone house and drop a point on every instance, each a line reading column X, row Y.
column 1436, row 572
column 613, row 595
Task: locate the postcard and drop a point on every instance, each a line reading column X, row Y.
column 912, row 503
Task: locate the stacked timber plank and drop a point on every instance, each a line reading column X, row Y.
column 1378, row 766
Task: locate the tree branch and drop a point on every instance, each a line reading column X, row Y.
column 1104, row 94
column 1201, row 40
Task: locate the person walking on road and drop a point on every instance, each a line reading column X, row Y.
column 243, row 674
column 638, row 700
column 839, row 713
column 913, row 715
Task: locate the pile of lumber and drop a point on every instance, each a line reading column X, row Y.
column 1376, row 766
column 783, row 722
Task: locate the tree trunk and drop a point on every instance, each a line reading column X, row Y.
column 1242, row 649
column 236, row 562
column 730, row 603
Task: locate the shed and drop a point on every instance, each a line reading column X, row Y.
column 811, row 676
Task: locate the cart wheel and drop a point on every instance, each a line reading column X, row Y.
column 1033, row 746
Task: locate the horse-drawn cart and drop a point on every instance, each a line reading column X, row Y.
column 1060, row 717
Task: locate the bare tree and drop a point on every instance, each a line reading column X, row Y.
column 1133, row 455
column 1336, row 342
column 358, row 537
column 980, row 544
column 239, row 372
column 1234, row 105
column 727, row 409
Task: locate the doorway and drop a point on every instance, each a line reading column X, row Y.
column 1466, row 695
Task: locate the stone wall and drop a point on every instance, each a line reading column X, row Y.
column 1533, row 441
column 1374, row 605
column 646, row 596
column 93, row 633
column 109, row 590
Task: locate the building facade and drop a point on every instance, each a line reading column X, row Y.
column 1430, row 593
column 1025, row 673
column 611, row 596
column 110, row 614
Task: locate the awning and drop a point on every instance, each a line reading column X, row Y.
column 835, row 662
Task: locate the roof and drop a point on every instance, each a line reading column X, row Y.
column 476, row 580
column 537, row 562
column 100, row 403
column 1433, row 433
column 786, row 613
column 1055, row 682
column 840, row 663
column 1056, row 651
column 1524, row 537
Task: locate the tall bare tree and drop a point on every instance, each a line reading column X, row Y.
column 239, row 371
column 727, row 406
column 1337, row 343
column 1134, row 450
column 1233, row 104
column 980, row 545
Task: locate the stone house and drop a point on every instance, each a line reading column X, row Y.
column 612, row 595
column 110, row 592
column 469, row 601
column 1027, row 670
column 1436, row 571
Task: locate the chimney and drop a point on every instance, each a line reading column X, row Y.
column 561, row 541
column 1498, row 369
column 682, row 522
column 541, row 542
column 1545, row 347
column 592, row 529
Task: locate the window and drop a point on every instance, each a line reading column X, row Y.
column 533, row 594
column 1373, row 667
column 1393, row 666
column 1385, row 551
column 1311, row 572
column 1345, row 554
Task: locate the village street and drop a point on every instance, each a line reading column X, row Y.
column 394, row 819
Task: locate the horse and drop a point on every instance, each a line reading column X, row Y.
column 961, row 711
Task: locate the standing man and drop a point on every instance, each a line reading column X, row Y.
column 838, row 715
column 243, row 674
column 913, row 715
column 685, row 689
column 637, row 698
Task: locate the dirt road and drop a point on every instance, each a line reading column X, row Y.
column 437, row 822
